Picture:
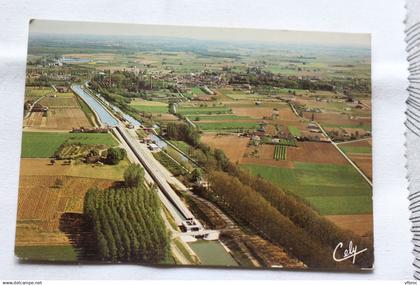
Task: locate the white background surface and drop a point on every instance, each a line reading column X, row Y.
column 382, row 18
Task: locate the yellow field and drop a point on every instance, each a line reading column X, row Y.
column 42, row 166
column 41, row 205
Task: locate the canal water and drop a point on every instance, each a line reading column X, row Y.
column 103, row 114
column 129, row 119
column 211, row 252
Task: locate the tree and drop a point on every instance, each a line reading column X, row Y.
column 195, row 175
column 134, row 176
column 115, row 155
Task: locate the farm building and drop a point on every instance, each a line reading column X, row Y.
column 62, row 89
column 313, row 128
column 39, row 108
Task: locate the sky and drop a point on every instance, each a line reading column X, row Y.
column 200, row 33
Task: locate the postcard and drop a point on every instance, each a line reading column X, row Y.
column 196, row 146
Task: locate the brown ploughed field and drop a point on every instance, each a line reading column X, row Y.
column 359, row 224
column 58, row 119
column 252, row 111
column 315, row 152
column 265, row 156
column 364, row 162
column 233, row 146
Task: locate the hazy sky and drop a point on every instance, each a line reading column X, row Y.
column 201, row 33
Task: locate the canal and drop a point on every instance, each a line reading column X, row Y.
column 103, row 114
column 211, row 252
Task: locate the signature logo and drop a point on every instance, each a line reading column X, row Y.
column 350, row 252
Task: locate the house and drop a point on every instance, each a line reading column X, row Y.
column 62, row 89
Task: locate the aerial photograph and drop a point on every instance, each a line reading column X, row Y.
column 196, row 146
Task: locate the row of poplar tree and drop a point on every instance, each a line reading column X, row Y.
column 127, row 222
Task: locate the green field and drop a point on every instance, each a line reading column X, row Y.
column 216, row 117
column 44, row 144
column 151, row 109
column 197, row 91
column 356, row 149
column 331, row 189
column 203, row 110
column 238, row 94
column 227, row 126
column 294, row 131
column 37, row 92
column 46, row 253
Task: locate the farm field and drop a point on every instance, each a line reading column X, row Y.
column 203, row 110
column 62, row 100
column 65, row 112
column 42, row 206
column 58, row 119
column 233, row 146
column 206, row 118
column 232, row 126
column 294, row 131
column 359, row 224
column 356, row 149
column 33, row 93
column 364, row 162
column 237, row 94
column 280, row 152
column 150, row 106
column 316, row 152
column 329, row 188
column 307, row 152
column 360, row 152
column 39, row 166
column 333, row 119
column 44, row 144
column 255, row 112
column 64, row 253
column 265, row 155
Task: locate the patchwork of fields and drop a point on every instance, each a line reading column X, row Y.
column 360, row 152
column 65, row 112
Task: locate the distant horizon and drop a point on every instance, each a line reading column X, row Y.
column 238, row 35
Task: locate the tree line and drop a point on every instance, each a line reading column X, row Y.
column 127, row 221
